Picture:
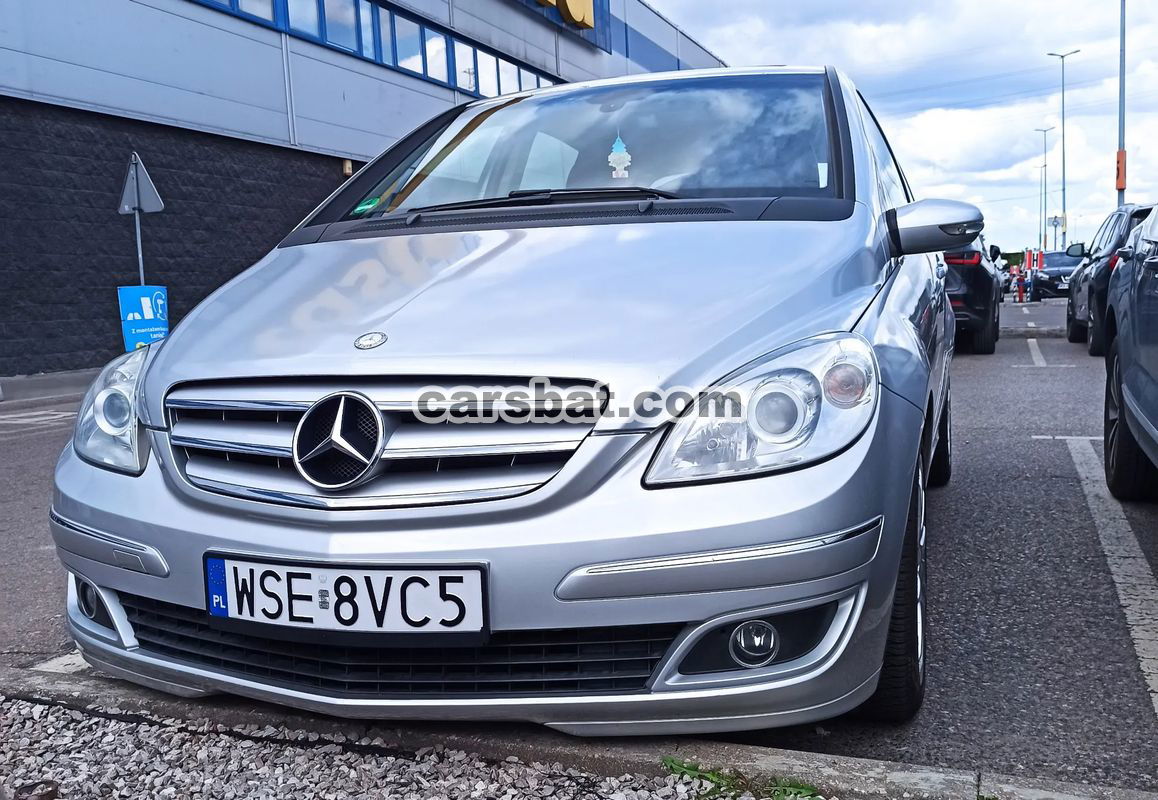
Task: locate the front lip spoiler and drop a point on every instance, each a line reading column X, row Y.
column 765, row 697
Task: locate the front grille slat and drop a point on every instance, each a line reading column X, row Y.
column 559, row 661
column 236, row 438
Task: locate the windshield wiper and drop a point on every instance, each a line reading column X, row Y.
column 524, row 197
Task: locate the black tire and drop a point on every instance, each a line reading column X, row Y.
column 1130, row 474
column 941, row 465
column 1095, row 332
column 1075, row 331
column 985, row 338
column 901, row 687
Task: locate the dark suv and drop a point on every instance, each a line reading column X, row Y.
column 974, row 285
column 1086, row 309
column 1131, row 328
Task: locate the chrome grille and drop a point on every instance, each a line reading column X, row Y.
column 592, row 660
column 235, row 438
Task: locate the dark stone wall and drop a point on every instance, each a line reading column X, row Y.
column 64, row 249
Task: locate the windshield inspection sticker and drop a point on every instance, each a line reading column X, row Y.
column 620, row 159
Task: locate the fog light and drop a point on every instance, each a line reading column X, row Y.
column 86, row 599
column 754, row 643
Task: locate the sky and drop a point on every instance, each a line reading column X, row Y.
column 960, row 86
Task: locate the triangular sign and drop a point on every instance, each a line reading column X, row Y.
column 139, row 193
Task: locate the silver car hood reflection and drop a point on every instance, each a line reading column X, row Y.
column 638, row 307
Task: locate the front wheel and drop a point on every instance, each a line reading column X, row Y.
column 901, row 687
column 1129, row 472
column 1075, row 333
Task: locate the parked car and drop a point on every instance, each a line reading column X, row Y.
column 1089, row 284
column 347, row 481
column 1053, row 279
column 1131, row 406
column 973, row 284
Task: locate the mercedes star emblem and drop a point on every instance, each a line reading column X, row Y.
column 339, row 440
column 368, row 341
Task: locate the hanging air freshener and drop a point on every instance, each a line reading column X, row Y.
column 620, row 159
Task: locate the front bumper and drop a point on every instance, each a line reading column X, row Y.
column 1051, row 287
column 555, row 560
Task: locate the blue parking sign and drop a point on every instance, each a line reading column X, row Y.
column 144, row 314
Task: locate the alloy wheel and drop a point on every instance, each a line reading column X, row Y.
column 1113, row 410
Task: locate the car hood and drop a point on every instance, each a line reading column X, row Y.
column 638, row 306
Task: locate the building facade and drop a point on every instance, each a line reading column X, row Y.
column 247, row 113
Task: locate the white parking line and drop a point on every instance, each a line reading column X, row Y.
column 1038, row 358
column 36, row 417
column 1137, row 589
column 1035, row 353
column 66, row 664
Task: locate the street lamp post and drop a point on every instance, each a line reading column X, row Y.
column 1062, row 57
column 1044, row 182
column 1121, row 177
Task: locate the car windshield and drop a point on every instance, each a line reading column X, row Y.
column 1060, row 260
column 734, row 136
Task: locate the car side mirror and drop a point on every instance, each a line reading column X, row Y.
column 994, row 252
column 1077, row 250
column 1126, row 253
column 931, row 226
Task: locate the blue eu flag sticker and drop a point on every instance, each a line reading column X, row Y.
column 215, row 580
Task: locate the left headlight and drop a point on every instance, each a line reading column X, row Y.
column 108, row 431
column 797, row 405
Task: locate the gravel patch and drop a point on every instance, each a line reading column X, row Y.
column 107, row 753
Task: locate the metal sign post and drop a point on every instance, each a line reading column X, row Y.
column 139, row 196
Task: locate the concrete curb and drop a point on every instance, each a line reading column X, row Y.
column 47, row 385
column 1034, row 333
column 836, row 776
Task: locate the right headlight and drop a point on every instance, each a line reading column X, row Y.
column 798, row 405
column 108, row 431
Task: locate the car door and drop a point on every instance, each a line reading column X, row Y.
column 1081, row 291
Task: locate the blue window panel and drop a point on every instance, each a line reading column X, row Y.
column 386, row 35
column 649, row 55
column 341, row 24
column 465, row 70
column 618, row 37
column 408, row 44
column 436, row 56
column 303, row 16
column 488, row 75
column 258, row 8
column 370, row 29
column 366, row 29
column 508, row 77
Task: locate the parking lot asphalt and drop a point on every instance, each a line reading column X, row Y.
column 1036, row 665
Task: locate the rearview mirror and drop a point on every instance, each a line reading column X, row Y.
column 1076, row 250
column 930, row 226
column 994, row 252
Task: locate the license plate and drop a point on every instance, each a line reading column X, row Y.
column 379, row 599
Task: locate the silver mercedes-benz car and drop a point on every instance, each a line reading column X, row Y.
column 609, row 406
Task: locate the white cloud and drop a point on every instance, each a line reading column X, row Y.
column 960, row 86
